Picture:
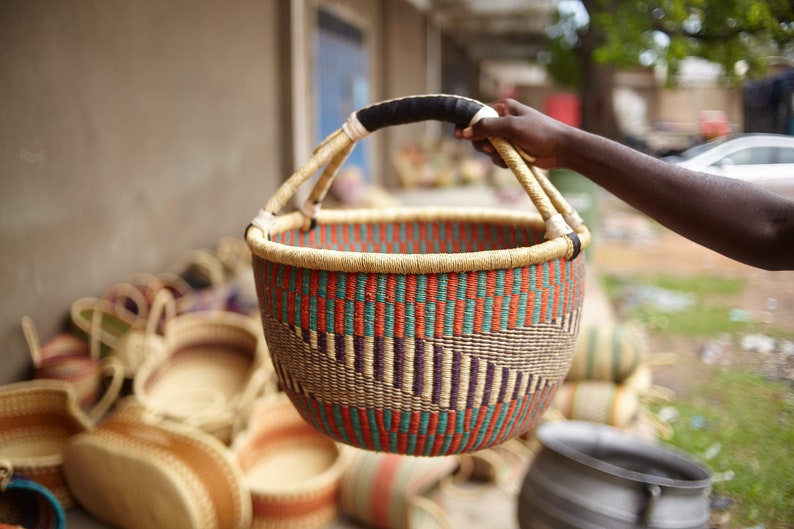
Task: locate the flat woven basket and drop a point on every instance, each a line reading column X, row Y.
column 419, row 331
column 137, row 470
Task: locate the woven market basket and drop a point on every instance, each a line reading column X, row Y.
column 26, row 503
column 292, row 470
column 212, row 366
column 138, row 470
column 419, row 331
column 37, row 418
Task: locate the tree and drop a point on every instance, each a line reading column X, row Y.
column 592, row 38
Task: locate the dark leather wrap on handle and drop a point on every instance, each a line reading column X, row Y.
column 447, row 108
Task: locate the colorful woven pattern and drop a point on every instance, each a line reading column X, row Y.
column 419, row 331
column 422, row 364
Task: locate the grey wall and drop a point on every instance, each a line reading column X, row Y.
column 130, row 132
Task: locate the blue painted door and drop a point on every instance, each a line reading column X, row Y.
column 341, row 80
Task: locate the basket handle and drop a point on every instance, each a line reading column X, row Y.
column 559, row 217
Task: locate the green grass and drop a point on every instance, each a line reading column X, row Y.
column 706, row 305
column 750, row 421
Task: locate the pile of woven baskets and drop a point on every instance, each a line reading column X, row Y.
column 611, row 381
column 382, row 335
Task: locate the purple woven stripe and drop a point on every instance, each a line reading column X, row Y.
column 503, row 386
column 339, row 348
column 419, row 364
column 475, row 368
column 321, row 341
column 519, row 379
column 438, row 358
column 399, row 351
column 455, row 386
column 486, row 395
column 358, row 351
column 378, row 361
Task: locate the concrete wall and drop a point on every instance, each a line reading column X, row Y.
column 130, row 133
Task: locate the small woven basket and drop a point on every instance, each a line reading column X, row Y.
column 292, row 470
column 211, row 367
column 37, row 418
column 413, row 330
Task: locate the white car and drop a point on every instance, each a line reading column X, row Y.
column 764, row 159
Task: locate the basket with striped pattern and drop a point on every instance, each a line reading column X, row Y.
column 419, row 331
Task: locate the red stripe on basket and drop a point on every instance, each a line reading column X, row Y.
column 544, row 305
column 432, row 426
column 507, row 422
column 275, row 289
column 399, row 320
column 422, row 231
column 314, row 287
column 441, row 306
column 329, row 412
column 358, row 304
column 496, row 414
column 383, row 429
column 419, row 307
column 511, row 300
column 366, row 432
column 338, row 306
column 440, row 437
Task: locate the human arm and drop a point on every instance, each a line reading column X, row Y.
column 735, row 218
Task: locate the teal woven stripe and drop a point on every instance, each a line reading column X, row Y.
column 311, row 300
column 355, row 426
column 449, row 310
column 387, row 420
column 341, row 426
column 322, row 416
column 484, row 427
column 369, row 312
column 375, row 437
column 557, row 290
column 500, row 287
column 441, row 428
column 523, row 294
column 541, row 269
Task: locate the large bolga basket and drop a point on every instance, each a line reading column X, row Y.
column 412, row 330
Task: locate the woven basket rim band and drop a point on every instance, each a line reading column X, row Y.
column 372, row 262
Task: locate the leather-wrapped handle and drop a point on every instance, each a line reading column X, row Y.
column 438, row 107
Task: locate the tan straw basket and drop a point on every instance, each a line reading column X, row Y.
column 137, row 471
column 37, row 417
column 292, row 470
column 420, row 331
column 212, row 367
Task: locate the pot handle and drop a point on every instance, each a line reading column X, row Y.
column 654, row 492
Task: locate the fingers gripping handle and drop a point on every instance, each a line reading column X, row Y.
column 448, row 108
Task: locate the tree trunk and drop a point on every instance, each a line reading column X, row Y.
column 598, row 111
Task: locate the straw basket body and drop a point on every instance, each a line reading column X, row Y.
column 414, row 331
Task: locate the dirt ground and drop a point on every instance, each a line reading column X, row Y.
column 627, row 242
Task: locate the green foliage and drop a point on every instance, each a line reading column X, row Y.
column 744, row 425
column 663, row 32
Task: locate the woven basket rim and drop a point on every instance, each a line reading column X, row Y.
column 376, row 262
column 263, row 422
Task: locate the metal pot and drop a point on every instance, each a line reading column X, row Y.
column 592, row 476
